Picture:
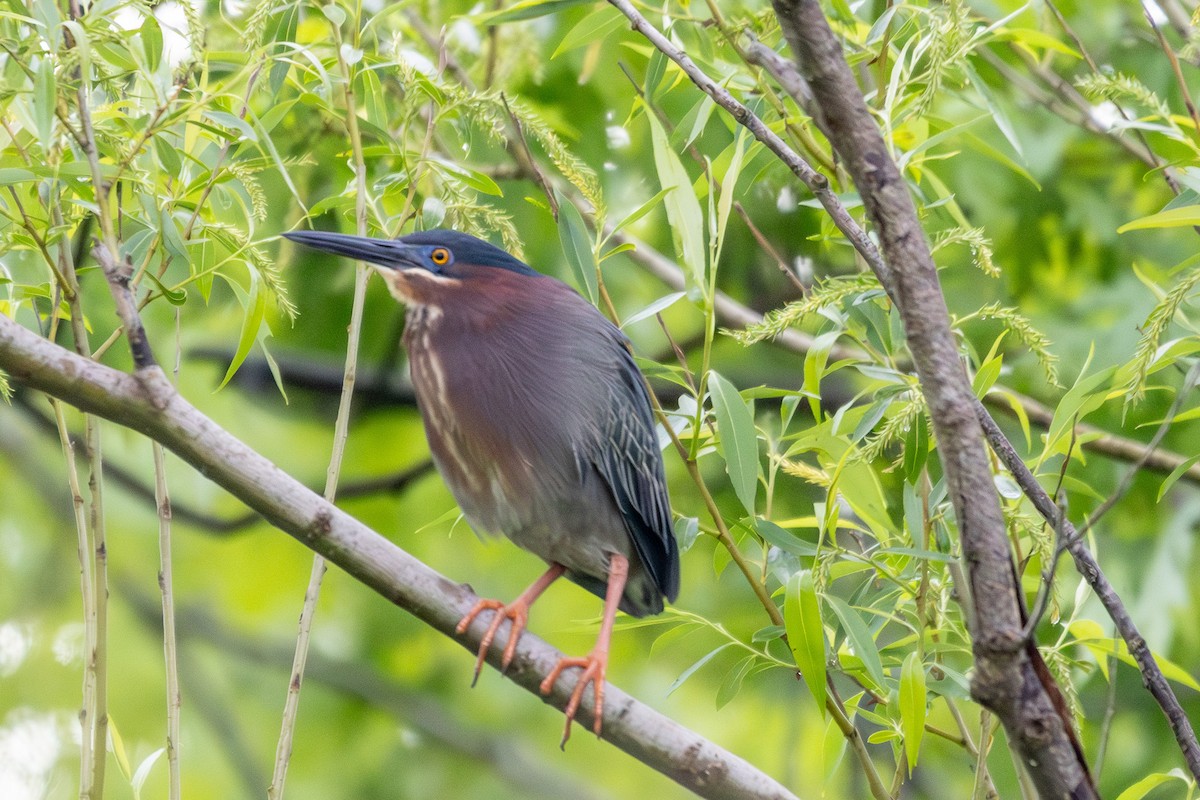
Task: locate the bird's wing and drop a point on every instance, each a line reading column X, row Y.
column 630, row 462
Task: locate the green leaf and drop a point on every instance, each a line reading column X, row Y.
column 172, row 238
column 1175, row 475
column 641, row 211
column 738, row 443
column 251, row 324
column 11, row 175
column 1084, row 397
column 728, row 186
column 577, row 246
column 1143, row 787
column 152, row 42
column 683, row 209
column 912, row 706
column 594, row 26
column 860, row 638
column 244, row 131
column 473, row 178
column 530, row 9
column 806, row 635
column 733, row 680
column 661, row 304
column 44, row 103
column 687, row 673
column 784, row 539
column 1172, row 218
column 916, row 448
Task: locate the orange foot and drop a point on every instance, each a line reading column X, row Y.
column 594, row 667
column 518, row 612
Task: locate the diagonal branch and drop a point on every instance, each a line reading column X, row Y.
column 1010, row 678
column 147, row 402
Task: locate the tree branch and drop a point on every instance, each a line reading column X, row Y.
column 147, row 402
column 1007, row 678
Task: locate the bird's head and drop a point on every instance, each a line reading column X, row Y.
column 422, row 268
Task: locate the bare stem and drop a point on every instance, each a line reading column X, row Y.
column 165, row 585
column 341, row 426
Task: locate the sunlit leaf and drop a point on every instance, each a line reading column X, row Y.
column 806, row 634
column 912, row 706
column 738, row 443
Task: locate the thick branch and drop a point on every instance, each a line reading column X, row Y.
column 146, row 402
column 1152, row 675
column 1006, row 679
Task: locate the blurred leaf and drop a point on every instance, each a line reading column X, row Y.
column 1172, row 218
column 806, row 635
column 529, row 9
column 1175, row 475
column 687, row 673
column 143, row 772
column 596, row 25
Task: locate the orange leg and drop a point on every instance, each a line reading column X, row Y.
column 517, row 611
column 596, row 662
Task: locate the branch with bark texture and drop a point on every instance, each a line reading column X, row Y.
column 1008, row 678
column 147, row 402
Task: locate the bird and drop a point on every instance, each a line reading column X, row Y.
column 539, row 423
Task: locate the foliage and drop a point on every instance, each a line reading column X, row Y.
column 1054, row 164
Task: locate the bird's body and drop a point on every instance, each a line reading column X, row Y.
column 538, row 421
column 492, row 442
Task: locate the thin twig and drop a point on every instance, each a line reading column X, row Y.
column 148, row 403
column 166, row 586
column 341, row 426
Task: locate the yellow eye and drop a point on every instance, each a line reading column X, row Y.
column 440, row 256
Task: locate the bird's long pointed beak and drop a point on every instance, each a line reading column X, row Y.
column 386, row 253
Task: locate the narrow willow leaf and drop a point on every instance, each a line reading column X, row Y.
column 687, row 673
column 530, row 9
column 1175, row 475
column 728, row 185
column 860, row 638
column 683, row 209
column 1087, row 395
column 641, row 211
column 732, row 684
column 594, row 26
column 1143, row 787
column 912, row 707
column 1184, row 216
column 806, row 635
column 738, row 443
column 661, row 304
column 251, row 324
column 44, row 103
column 143, row 771
column 577, row 247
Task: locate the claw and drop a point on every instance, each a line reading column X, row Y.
column 594, row 668
column 517, row 611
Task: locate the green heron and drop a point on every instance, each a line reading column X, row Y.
column 540, row 424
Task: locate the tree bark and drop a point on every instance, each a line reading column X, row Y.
column 1006, row 678
column 147, row 402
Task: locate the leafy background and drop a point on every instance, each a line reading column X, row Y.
column 221, row 126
